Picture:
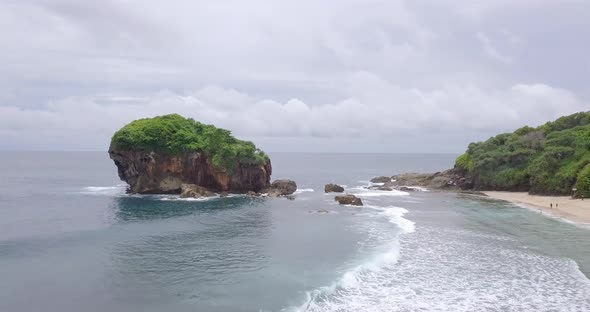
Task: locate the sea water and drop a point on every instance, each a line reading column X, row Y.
column 72, row 240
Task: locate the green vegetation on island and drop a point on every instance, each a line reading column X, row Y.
column 174, row 134
column 551, row 159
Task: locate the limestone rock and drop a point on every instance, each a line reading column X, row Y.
column 348, row 200
column 446, row 180
column 282, row 188
column 195, row 191
column 333, row 188
column 381, row 179
column 148, row 172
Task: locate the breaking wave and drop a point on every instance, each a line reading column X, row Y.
column 362, row 275
column 362, row 191
column 450, row 270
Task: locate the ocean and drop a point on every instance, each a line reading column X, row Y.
column 72, row 240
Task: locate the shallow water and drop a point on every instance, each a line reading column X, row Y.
column 71, row 240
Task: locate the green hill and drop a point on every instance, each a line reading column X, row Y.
column 551, row 159
column 174, row 134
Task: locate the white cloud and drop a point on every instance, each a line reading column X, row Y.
column 373, row 108
column 73, row 72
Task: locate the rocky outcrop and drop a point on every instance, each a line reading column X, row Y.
column 381, row 179
column 333, row 188
column 348, row 200
column 149, row 172
column 282, row 188
column 451, row 179
column 195, row 191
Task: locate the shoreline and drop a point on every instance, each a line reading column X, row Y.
column 576, row 211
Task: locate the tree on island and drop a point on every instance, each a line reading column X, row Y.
column 551, row 159
column 174, row 134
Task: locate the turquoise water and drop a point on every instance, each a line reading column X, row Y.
column 71, row 240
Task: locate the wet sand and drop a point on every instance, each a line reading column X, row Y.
column 575, row 210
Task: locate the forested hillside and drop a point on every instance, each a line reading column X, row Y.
column 551, row 159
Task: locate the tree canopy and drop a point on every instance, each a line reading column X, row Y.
column 550, row 159
column 175, row 134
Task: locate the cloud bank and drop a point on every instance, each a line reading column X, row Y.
column 377, row 108
column 370, row 72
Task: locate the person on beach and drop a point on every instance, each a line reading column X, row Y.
column 556, row 206
column 551, row 205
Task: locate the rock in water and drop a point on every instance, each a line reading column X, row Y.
column 282, row 188
column 195, row 191
column 157, row 155
column 382, row 179
column 348, row 200
column 333, row 188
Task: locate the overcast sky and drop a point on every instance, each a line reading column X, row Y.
column 292, row 75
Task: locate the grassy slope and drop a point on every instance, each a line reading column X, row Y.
column 550, row 159
column 175, row 134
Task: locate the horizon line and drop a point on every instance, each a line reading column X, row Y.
column 268, row 152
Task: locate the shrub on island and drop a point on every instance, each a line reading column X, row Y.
column 174, row 134
column 551, row 159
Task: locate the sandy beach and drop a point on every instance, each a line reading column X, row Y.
column 576, row 210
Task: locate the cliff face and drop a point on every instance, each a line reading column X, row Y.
column 161, row 173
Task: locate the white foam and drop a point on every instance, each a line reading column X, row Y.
column 190, row 199
column 363, row 192
column 395, row 215
column 352, row 279
column 355, row 278
column 118, row 189
column 447, row 270
column 305, row 190
column 418, row 188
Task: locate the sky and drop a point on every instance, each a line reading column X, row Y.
column 389, row 76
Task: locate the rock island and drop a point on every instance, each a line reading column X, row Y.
column 162, row 155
